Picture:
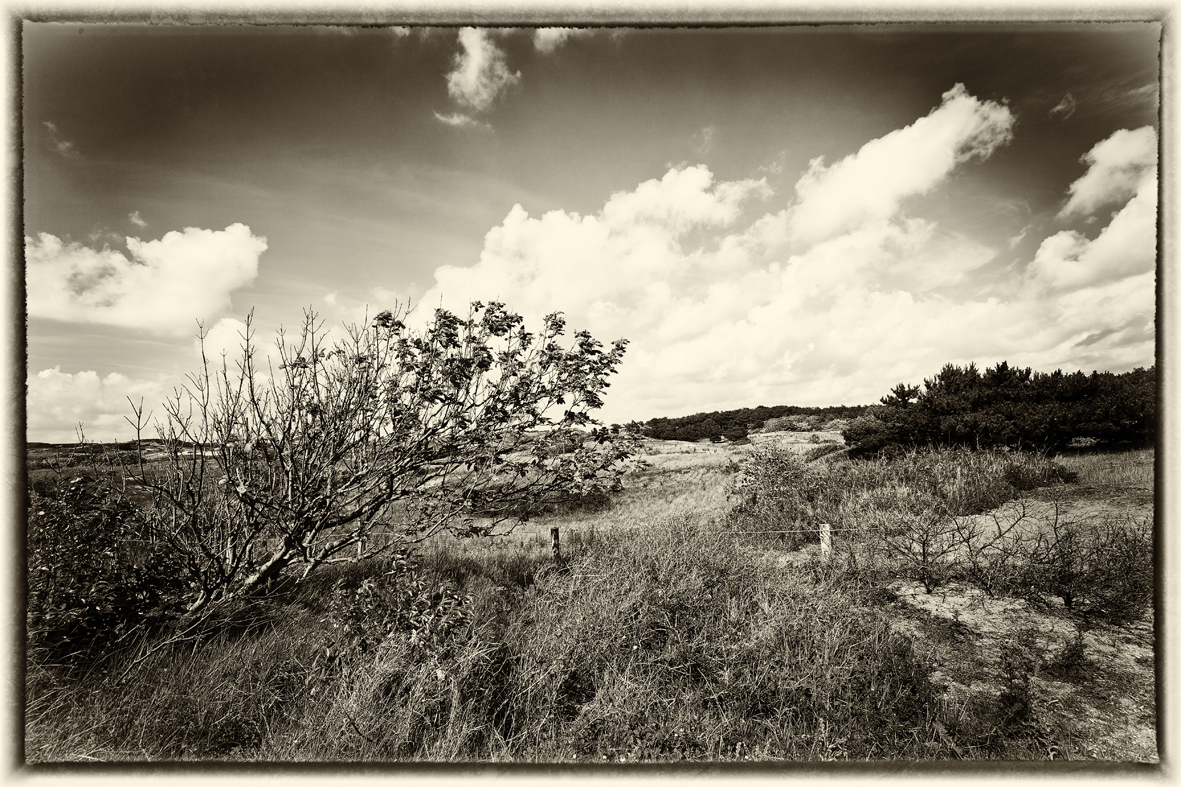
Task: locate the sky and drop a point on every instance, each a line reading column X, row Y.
column 798, row 215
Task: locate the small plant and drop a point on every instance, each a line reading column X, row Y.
column 1071, row 663
column 822, row 450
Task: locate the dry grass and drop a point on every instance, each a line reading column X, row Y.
column 1129, row 470
column 660, row 636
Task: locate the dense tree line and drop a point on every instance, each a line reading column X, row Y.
column 736, row 424
column 1010, row 406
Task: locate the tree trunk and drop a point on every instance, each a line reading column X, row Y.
column 269, row 570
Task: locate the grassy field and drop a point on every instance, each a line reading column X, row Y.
column 691, row 619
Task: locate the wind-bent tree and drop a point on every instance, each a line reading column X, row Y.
column 459, row 426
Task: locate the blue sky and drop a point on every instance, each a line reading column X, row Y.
column 782, row 215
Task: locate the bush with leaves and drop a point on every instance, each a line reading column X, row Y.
column 92, row 578
column 366, row 613
column 780, row 496
column 912, row 515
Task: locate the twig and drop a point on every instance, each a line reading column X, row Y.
column 355, row 727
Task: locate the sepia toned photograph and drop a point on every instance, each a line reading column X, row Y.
column 596, row 396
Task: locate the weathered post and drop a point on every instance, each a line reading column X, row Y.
column 554, row 544
column 825, row 542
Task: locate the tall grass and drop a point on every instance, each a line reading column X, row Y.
column 1124, row 470
column 670, row 643
column 661, row 635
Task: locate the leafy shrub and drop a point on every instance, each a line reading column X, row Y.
column 91, row 578
column 908, row 515
column 1071, row 663
column 993, row 722
column 778, row 493
column 367, row 613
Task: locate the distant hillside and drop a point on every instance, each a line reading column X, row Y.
column 736, row 424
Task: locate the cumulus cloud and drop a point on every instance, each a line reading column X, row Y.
column 1116, row 168
column 136, row 219
column 623, row 256
column 547, row 39
column 871, row 183
column 58, row 401
column 725, row 308
column 160, row 285
column 1125, row 247
column 480, row 73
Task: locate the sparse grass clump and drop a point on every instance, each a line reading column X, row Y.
column 1125, row 470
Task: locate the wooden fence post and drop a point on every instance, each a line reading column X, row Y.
column 555, row 546
column 825, row 541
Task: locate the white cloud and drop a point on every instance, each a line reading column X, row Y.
column 871, row 183
column 547, row 39
column 62, row 146
column 1125, row 247
column 725, row 312
column 703, row 140
column 136, row 219
column 480, row 73
column 1065, row 107
column 1116, row 167
column 162, row 285
column 59, row 401
column 459, row 120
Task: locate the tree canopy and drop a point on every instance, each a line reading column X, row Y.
column 1010, row 406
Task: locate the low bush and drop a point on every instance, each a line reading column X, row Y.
column 821, row 451
column 1102, row 569
column 92, row 577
